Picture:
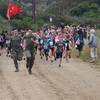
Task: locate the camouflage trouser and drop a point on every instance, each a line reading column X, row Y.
column 16, row 56
column 30, row 62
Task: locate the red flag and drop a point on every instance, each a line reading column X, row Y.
column 13, row 10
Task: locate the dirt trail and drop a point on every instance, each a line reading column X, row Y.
column 75, row 80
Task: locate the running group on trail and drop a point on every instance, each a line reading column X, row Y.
column 50, row 42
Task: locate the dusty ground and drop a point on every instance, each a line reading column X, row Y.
column 75, row 80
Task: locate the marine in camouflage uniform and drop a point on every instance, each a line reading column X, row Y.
column 16, row 49
column 29, row 43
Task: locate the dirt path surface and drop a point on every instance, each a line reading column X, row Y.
column 75, row 80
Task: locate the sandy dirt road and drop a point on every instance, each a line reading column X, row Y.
column 75, row 80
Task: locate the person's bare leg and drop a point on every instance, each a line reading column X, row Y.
column 60, row 62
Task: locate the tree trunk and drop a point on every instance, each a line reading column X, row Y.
column 33, row 9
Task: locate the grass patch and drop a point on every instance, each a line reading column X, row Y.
column 86, row 56
column 98, row 34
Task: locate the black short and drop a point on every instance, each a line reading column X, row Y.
column 46, row 52
column 40, row 48
column 1, row 45
column 79, row 47
column 67, row 48
column 59, row 55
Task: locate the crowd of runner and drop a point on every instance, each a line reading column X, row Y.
column 50, row 42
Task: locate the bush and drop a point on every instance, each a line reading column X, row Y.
column 4, row 25
column 88, row 9
column 3, row 9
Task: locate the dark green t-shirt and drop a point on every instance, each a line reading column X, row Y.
column 29, row 43
column 16, row 43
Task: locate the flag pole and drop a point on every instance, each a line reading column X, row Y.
column 8, row 17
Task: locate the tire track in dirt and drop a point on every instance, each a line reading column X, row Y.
column 9, row 89
column 59, row 92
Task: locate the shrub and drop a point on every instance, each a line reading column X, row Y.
column 88, row 9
